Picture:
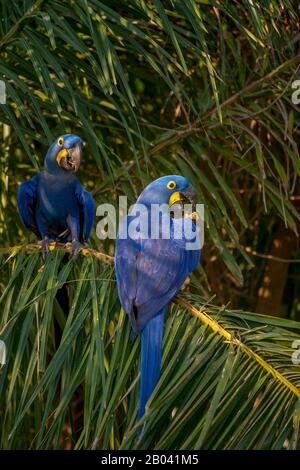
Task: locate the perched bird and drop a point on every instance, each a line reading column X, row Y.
column 150, row 270
column 53, row 204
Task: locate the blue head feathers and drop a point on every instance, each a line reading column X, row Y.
column 65, row 154
column 167, row 190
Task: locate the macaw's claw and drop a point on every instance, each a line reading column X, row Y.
column 45, row 247
column 76, row 247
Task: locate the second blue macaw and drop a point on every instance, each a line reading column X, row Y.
column 150, row 270
column 53, row 204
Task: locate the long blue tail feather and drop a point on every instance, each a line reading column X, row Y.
column 151, row 351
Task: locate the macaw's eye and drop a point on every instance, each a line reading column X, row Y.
column 60, row 142
column 171, row 185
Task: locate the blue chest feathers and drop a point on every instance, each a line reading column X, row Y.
column 56, row 196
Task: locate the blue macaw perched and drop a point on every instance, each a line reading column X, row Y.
column 53, row 204
column 150, row 271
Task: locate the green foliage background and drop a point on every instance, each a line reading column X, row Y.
column 201, row 88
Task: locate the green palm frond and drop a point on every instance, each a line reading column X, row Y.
column 228, row 380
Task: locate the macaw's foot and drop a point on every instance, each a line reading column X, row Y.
column 76, row 247
column 45, row 247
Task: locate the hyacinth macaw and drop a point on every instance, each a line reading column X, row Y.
column 53, row 204
column 150, row 272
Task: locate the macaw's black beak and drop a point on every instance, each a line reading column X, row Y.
column 189, row 195
column 70, row 159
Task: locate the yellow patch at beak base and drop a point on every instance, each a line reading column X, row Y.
column 61, row 154
column 174, row 198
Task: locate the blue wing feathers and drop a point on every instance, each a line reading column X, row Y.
column 149, row 273
column 88, row 206
column 26, row 200
column 86, row 203
column 127, row 253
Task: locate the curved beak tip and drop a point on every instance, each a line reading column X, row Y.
column 70, row 159
column 190, row 193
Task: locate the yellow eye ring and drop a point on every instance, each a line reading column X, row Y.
column 171, row 185
column 60, row 142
